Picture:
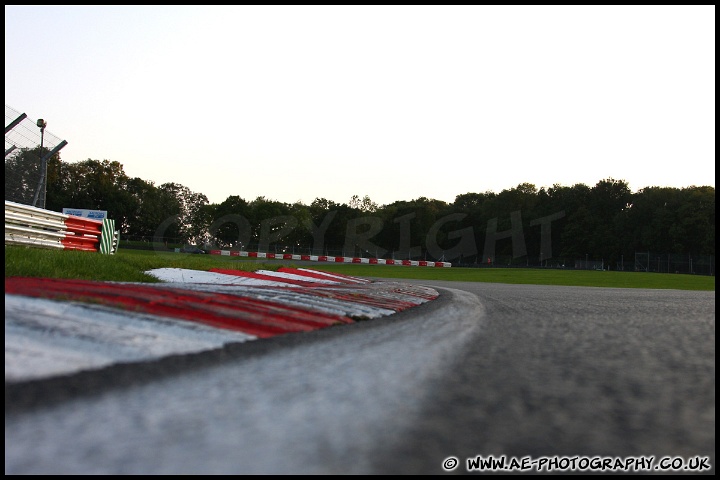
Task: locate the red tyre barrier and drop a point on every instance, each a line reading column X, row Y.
column 83, row 226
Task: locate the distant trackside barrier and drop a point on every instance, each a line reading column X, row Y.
column 37, row 227
column 332, row 259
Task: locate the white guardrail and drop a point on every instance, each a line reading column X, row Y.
column 37, row 227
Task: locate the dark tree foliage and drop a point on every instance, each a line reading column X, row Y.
column 22, row 174
column 605, row 221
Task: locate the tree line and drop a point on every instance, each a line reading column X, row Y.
column 524, row 223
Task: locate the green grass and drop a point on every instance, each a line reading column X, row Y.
column 130, row 265
column 533, row 276
column 124, row 266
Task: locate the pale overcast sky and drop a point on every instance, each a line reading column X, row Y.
column 395, row 102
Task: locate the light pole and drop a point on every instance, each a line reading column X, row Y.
column 42, row 124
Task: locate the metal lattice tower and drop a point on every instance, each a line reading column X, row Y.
column 27, row 139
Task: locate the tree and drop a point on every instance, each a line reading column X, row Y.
column 695, row 228
column 609, row 200
column 22, row 174
column 152, row 207
column 192, row 219
column 364, row 204
column 574, row 240
column 230, row 226
column 322, row 225
column 407, row 225
column 271, row 222
column 650, row 216
column 92, row 185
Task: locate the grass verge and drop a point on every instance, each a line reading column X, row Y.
column 130, row 265
column 124, row 266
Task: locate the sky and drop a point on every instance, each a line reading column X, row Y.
column 294, row 103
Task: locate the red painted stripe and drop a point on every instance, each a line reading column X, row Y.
column 234, row 312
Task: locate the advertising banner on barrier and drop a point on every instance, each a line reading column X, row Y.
column 79, row 212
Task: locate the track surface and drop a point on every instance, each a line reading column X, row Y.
column 486, row 369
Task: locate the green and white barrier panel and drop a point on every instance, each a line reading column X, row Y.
column 109, row 237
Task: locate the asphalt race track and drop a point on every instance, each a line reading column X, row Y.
column 482, row 370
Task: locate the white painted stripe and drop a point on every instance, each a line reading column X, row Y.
column 311, row 302
column 400, row 297
column 182, row 275
column 292, row 276
column 306, row 300
column 47, row 337
column 333, row 276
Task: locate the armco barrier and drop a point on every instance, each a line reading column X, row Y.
column 37, row 227
column 331, row 259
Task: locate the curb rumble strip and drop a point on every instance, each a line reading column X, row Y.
column 57, row 325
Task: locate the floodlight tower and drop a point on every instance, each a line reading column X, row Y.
column 42, row 124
